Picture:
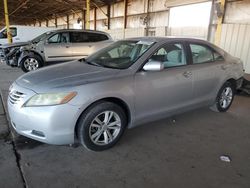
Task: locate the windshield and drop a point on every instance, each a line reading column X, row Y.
column 41, row 37
column 120, row 55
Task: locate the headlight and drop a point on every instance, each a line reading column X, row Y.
column 49, row 99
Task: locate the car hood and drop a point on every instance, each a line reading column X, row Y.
column 16, row 44
column 71, row 74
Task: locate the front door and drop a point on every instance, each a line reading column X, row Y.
column 58, row 48
column 163, row 92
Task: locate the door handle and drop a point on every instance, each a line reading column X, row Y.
column 187, row 74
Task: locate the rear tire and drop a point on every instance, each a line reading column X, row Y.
column 31, row 63
column 101, row 126
column 224, row 98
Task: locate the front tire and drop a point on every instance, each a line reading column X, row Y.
column 31, row 63
column 224, row 98
column 101, row 126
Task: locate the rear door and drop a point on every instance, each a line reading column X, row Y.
column 85, row 43
column 206, row 68
column 81, row 45
column 58, row 47
column 168, row 91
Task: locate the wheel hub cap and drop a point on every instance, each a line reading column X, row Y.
column 226, row 97
column 105, row 128
column 31, row 64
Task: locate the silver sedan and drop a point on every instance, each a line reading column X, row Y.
column 131, row 82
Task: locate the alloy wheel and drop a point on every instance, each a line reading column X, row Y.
column 226, row 97
column 31, row 64
column 105, row 128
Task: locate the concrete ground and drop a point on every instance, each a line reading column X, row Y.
column 182, row 151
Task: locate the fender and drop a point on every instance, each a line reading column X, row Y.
column 27, row 53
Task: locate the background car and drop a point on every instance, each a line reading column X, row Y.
column 55, row 46
column 128, row 83
column 21, row 33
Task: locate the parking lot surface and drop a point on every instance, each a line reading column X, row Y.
column 181, row 151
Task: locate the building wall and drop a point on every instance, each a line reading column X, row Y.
column 235, row 36
column 235, row 39
column 139, row 17
column 238, row 12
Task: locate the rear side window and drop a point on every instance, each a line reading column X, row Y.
column 78, row 37
column 203, row 54
column 95, row 37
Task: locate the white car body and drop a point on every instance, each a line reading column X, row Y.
column 22, row 33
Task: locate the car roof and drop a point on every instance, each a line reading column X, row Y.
column 79, row 30
column 168, row 38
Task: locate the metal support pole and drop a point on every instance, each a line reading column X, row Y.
column 125, row 13
column 84, row 19
column 125, row 16
column 56, row 21
column 108, row 14
column 67, row 21
column 94, row 18
column 148, row 17
column 219, row 23
column 7, row 23
column 87, row 14
column 210, row 27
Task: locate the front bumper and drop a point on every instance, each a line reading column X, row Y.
column 48, row 124
column 10, row 58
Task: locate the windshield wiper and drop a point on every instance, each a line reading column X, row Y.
column 88, row 62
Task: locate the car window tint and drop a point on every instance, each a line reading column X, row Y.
column 96, row 37
column 172, row 55
column 13, row 32
column 122, row 51
column 121, row 54
column 64, row 38
column 54, row 39
column 201, row 54
column 78, row 37
column 218, row 57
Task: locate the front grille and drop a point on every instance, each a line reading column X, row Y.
column 15, row 96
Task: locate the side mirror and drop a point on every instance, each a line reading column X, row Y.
column 153, row 66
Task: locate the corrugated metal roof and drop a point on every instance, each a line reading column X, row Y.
column 29, row 11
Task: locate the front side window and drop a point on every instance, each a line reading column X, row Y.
column 171, row 55
column 54, row 39
column 41, row 37
column 59, row 38
column 201, row 54
column 120, row 55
